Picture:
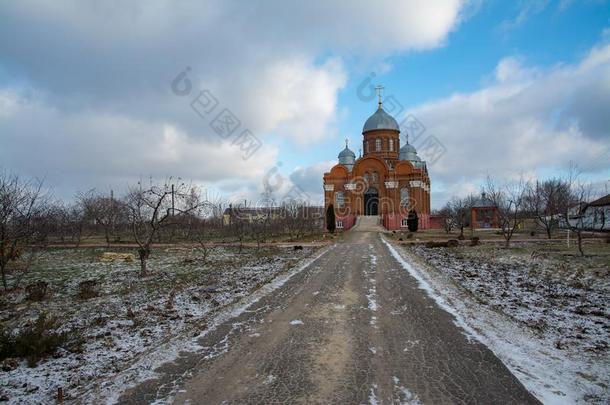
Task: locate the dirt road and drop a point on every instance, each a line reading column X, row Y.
column 353, row 327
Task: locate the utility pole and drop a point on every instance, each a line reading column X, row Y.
column 172, row 200
column 112, row 213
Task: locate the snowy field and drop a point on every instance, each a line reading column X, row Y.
column 543, row 310
column 131, row 317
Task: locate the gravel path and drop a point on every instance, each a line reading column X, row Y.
column 353, row 327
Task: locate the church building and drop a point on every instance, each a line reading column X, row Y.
column 387, row 180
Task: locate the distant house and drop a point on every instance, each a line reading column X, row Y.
column 483, row 213
column 593, row 216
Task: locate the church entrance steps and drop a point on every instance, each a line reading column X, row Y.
column 368, row 223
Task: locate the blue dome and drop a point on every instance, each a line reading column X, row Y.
column 380, row 120
column 346, row 153
column 408, row 152
column 347, row 158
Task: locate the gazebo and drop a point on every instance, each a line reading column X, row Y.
column 483, row 213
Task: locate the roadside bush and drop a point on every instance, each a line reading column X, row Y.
column 433, row 244
column 37, row 291
column 453, row 243
column 36, row 340
column 474, row 241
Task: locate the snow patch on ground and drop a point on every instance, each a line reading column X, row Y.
column 372, row 299
column 402, row 395
column 373, row 400
column 296, row 322
column 554, row 376
column 410, row 344
column 120, row 352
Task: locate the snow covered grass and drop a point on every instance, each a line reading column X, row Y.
column 542, row 310
column 372, row 290
column 131, row 317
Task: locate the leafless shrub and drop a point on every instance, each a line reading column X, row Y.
column 23, row 221
column 87, row 289
column 169, row 305
column 37, row 291
column 453, row 243
column 36, row 340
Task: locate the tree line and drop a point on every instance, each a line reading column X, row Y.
column 171, row 211
column 550, row 203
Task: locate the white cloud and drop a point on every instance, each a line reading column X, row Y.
column 39, row 139
column 527, row 120
column 100, row 73
column 261, row 60
column 296, row 98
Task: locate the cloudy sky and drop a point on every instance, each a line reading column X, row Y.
column 236, row 95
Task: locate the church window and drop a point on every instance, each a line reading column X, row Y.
column 404, row 222
column 404, row 197
column 339, row 199
column 368, row 148
column 378, row 144
column 375, row 177
column 366, row 177
column 339, row 225
column 391, row 145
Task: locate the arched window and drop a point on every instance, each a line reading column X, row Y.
column 339, row 199
column 375, row 177
column 404, row 197
column 368, row 148
column 391, row 145
column 378, row 144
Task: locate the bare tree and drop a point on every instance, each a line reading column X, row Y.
column 239, row 220
column 66, row 221
column 546, row 201
column 576, row 207
column 204, row 218
column 459, row 213
column 510, row 203
column 153, row 209
column 23, row 224
column 102, row 211
column 294, row 216
column 259, row 226
column 446, row 218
